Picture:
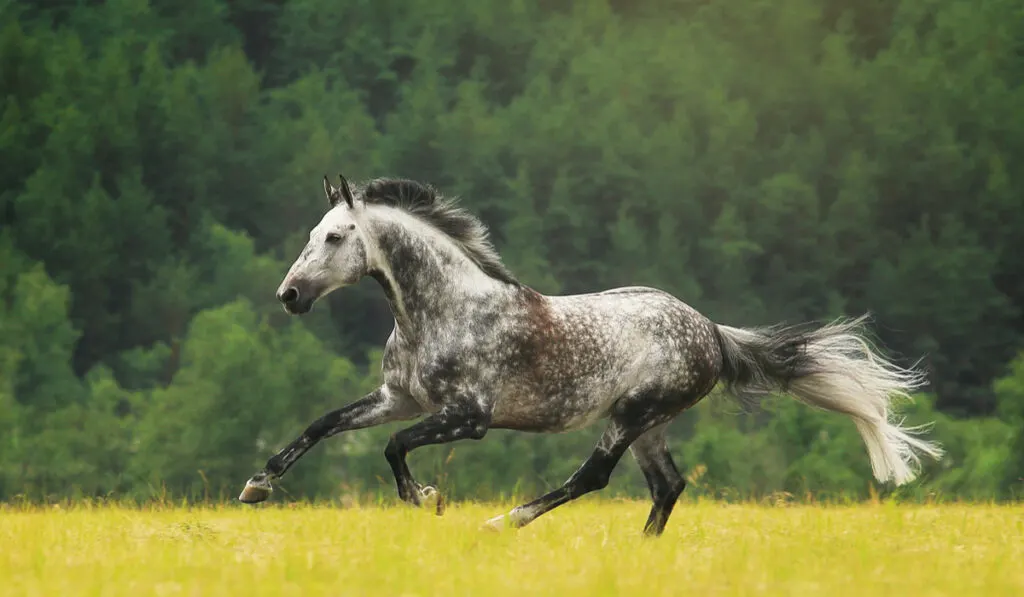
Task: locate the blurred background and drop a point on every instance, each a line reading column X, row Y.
column 792, row 160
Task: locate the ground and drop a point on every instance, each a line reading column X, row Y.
column 588, row 548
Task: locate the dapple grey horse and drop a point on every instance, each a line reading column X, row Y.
column 474, row 349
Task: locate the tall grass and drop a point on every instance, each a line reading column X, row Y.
column 592, row 547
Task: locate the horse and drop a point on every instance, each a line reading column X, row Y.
column 474, row 349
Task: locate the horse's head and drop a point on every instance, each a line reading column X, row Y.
column 335, row 256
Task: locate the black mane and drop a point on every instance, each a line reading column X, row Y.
column 425, row 202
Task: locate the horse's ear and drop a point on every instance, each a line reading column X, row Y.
column 346, row 192
column 330, row 191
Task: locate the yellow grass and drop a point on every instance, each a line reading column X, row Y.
column 588, row 548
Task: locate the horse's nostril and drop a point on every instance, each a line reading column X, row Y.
column 290, row 295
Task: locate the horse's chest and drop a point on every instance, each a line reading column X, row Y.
column 428, row 382
column 419, row 389
column 404, row 371
column 439, row 377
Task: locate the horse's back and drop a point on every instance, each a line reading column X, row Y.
column 633, row 313
column 641, row 329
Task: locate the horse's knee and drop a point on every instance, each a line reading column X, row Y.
column 588, row 479
column 477, row 430
column 601, row 480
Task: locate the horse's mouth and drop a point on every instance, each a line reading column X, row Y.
column 298, row 308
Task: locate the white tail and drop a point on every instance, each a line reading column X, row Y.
column 834, row 368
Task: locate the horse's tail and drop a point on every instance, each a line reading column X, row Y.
column 835, row 368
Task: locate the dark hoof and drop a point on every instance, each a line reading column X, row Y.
column 255, row 492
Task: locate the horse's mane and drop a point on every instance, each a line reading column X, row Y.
column 426, row 203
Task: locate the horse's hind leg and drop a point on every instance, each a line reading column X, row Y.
column 663, row 479
column 594, row 474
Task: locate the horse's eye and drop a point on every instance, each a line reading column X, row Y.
column 333, row 237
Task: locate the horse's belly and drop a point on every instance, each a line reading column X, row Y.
column 532, row 412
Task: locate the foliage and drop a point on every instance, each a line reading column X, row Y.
column 796, row 160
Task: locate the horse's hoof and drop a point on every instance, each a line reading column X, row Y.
column 430, row 497
column 255, row 492
column 495, row 525
column 518, row 517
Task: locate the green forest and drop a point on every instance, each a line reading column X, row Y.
column 786, row 161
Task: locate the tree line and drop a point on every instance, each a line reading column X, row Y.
column 160, row 166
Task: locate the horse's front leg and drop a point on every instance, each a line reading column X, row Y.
column 376, row 408
column 463, row 418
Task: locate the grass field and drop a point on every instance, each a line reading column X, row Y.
column 592, row 547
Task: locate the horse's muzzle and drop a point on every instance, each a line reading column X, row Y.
column 295, row 300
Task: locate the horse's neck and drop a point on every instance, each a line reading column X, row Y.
column 427, row 279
